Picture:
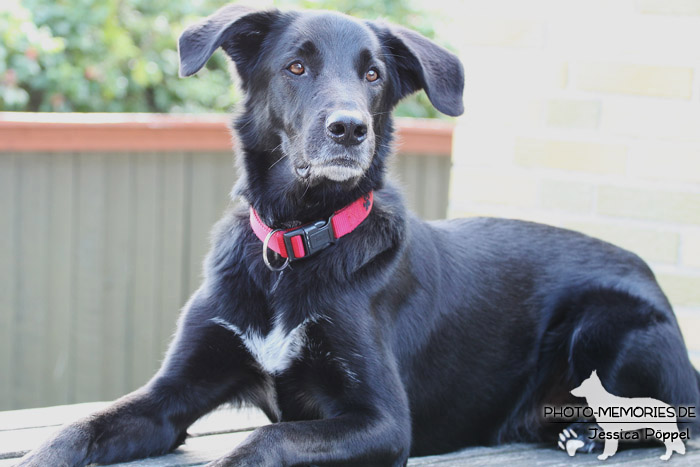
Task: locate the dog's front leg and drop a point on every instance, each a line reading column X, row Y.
column 129, row 428
column 354, row 382
column 353, row 439
column 206, row 365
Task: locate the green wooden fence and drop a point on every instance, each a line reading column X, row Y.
column 98, row 253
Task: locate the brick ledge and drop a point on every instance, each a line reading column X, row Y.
column 87, row 132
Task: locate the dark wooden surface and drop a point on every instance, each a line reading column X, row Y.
column 221, row 431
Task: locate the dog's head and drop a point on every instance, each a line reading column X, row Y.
column 320, row 86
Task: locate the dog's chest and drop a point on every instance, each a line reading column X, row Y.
column 275, row 351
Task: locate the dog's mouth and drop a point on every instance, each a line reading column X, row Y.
column 342, row 162
column 339, row 169
column 316, row 159
column 340, row 173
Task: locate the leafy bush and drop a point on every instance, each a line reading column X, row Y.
column 121, row 56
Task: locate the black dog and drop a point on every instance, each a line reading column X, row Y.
column 383, row 336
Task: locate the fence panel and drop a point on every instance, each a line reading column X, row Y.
column 100, row 250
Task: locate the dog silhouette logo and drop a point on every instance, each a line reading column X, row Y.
column 617, row 415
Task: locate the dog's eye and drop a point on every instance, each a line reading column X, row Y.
column 372, row 75
column 296, row 68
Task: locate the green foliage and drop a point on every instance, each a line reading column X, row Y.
column 121, row 56
column 103, row 56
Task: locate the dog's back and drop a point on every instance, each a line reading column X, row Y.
column 497, row 288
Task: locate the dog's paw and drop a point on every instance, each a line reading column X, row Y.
column 247, row 456
column 569, row 441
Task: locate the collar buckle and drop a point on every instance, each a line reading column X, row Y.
column 315, row 237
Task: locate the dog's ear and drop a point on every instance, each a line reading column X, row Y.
column 238, row 29
column 422, row 64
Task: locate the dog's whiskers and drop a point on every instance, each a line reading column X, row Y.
column 277, row 161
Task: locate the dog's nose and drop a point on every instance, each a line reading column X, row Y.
column 346, row 127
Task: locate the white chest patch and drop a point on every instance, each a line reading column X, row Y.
column 273, row 352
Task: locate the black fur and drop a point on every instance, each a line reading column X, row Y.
column 421, row 338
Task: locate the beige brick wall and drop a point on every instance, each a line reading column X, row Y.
column 586, row 114
column 643, row 80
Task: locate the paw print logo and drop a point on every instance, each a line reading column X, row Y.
column 569, row 442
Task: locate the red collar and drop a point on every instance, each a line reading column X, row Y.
column 308, row 239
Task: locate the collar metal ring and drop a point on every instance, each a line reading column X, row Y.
column 264, row 253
